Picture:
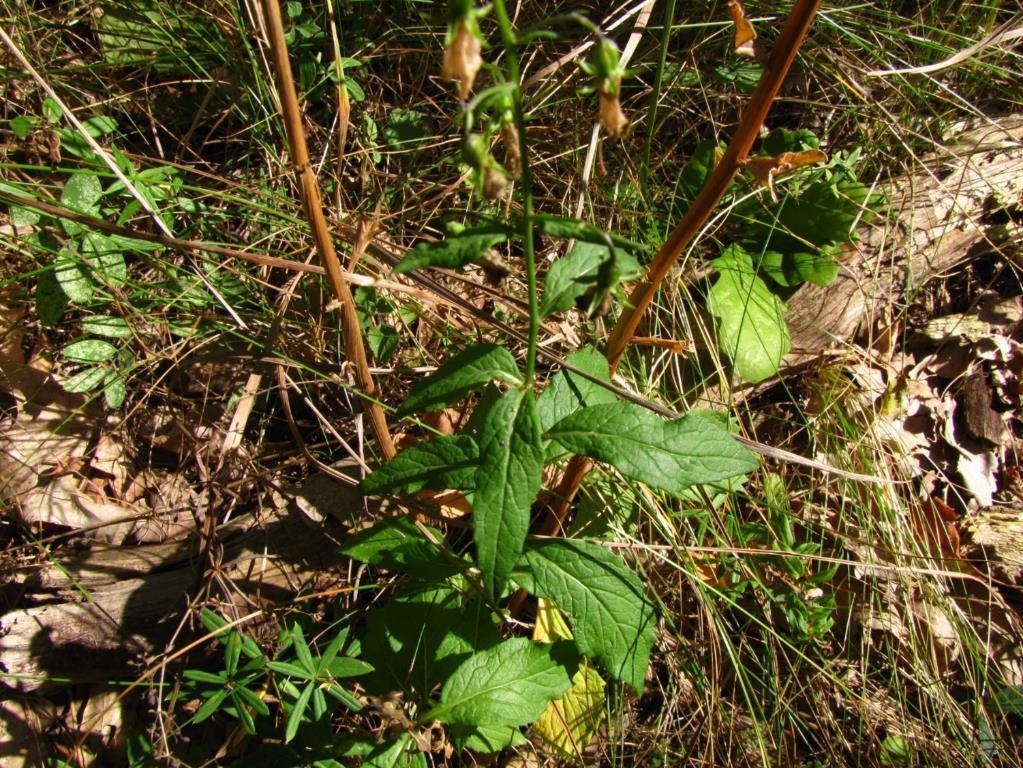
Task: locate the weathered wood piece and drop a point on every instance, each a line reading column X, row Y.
column 950, row 210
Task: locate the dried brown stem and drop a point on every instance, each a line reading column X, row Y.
column 313, row 206
column 782, row 56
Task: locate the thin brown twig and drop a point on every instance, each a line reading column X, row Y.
column 313, row 206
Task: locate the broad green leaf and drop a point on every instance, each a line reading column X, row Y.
column 792, row 269
column 400, row 753
column 783, row 140
column 106, row 325
column 699, row 168
column 570, row 723
column 419, row 638
column 1010, row 700
column 397, row 544
column 115, row 391
column 440, row 463
column 89, row 351
column 820, row 214
column 509, row 684
column 670, row 456
column 588, row 270
column 486, row 739
column 574, row 229
column 511, row 465
column 81, row 194
column 452, row 252
column 405, row 128
column 469, row 370
column 484, row 403
column 571, row 276
column 106, row 257
column 72, row 277
column 51, row 301
column 612, row 619
column 751, row 319
column 52, row 111
column 21, row 126
column 351, row 745
column 382, row 341
column 21, row 216
column 567, row 392
column 745, row 74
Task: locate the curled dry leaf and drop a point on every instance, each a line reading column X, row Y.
column 764, row 169
column 61, row 502
column 612, row 118
column 462, row 59
column 745, row 35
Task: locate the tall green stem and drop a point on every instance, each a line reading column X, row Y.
column 511, row 48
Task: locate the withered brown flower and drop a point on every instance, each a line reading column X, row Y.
column 462, row 59
column 611, row 116
column 494, row 182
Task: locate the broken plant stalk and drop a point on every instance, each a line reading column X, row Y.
column 311, row 202
column 775, row 71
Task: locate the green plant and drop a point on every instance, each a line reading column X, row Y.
column 304, row 681
column 780, row 243
column 492, row 686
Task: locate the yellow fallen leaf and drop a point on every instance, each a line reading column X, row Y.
column 570, row 723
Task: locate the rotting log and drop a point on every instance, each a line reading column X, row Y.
column 92, row 616
column 962, row 203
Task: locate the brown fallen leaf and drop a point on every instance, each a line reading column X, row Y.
column 934, row 522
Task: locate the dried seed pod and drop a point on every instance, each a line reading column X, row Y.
column 512, row 152
column 462, row 57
